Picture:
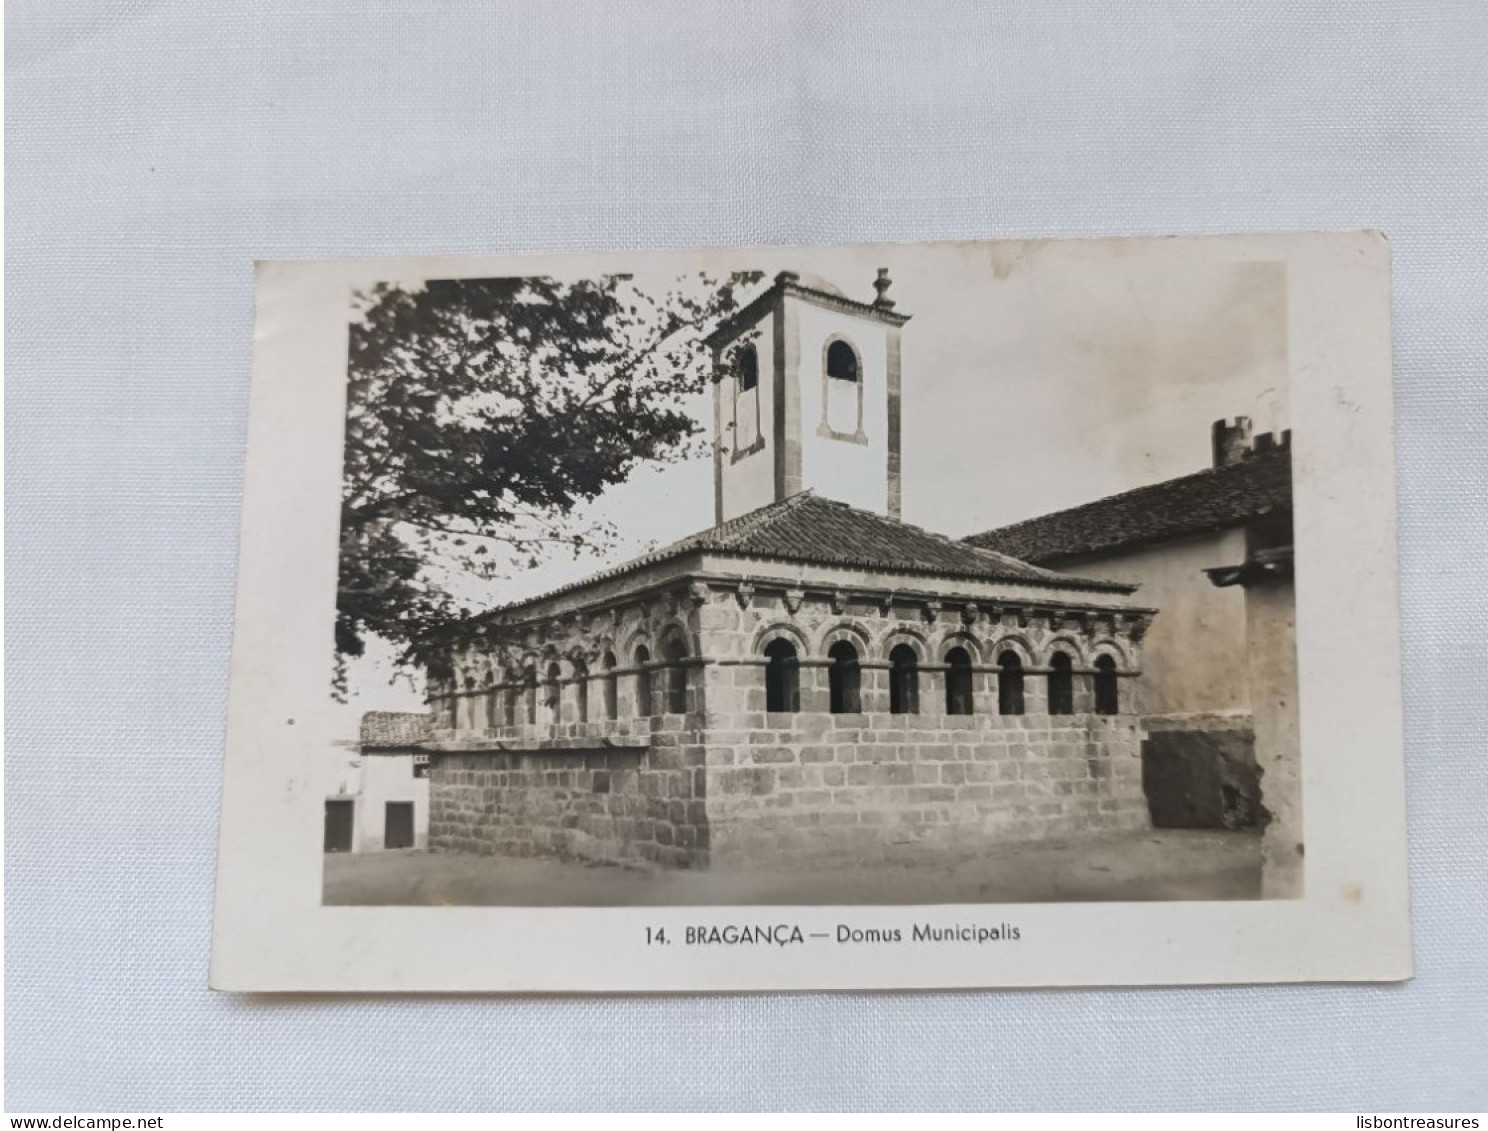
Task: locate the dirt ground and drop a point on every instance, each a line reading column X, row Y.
column 1162, row 864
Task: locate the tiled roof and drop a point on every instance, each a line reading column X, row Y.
column 1213, row 499
column 808, row 528
column 382, row 730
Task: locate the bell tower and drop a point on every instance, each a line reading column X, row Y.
column 806, row 395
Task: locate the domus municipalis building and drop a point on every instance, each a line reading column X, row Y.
column 809, row 679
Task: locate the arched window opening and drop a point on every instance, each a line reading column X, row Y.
column 513, row 694
column 958, row 682
column 1010, row 684
column 553, row 694
column 643, row 682
column 904, row 681
column 782, row 677
column 843, row 391
column 581, row 693
column 1107, row 696
column 611, row 687
column 673, row 652
column 842, row 362
column 746, row 400
column 844, row 679
column 746, row 367
column 529, row 692
column 1061, row 685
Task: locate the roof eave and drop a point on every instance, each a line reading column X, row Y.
column 786, row 284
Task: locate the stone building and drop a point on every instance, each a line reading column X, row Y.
column 809, row 679
column 1202, row 673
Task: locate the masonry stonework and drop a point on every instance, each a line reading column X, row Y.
column 552, row 738
column 808, row 680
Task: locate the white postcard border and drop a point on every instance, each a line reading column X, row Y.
column 272, row 933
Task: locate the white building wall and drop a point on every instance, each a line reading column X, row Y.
column 849, row 470
column 1194, row 654
column 385, row 778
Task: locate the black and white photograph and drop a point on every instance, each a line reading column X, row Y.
column 872, row 598
column 942, row 585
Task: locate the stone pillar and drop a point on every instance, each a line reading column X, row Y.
column 874, row 686
column 1270, row 613
column 1035, row 691
column 480, row 716
column 815, row 686
column 529, row 704
column 694, row 672
column 984, row 690
column 932, row 689
column 631, row 681
column 1083, row 683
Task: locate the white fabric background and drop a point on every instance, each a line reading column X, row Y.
column 155, row 149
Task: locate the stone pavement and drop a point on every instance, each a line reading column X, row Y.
column 1164, row 864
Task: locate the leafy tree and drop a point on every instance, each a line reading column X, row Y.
column 482, row 413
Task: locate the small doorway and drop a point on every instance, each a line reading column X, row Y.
column 338, row 825
column 398, row 829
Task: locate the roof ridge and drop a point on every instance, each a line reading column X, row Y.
column 999, row 557
column 753, row 521
column 959, row 543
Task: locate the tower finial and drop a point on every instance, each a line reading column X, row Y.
column 882, row 285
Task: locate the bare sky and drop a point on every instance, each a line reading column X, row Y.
column 1036, row 376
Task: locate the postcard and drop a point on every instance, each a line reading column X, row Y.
column 895, row 616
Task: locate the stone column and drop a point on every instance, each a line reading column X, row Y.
column 568, row 702
column 480, row 715
column 874, row 686
column 1083, row 684
column 932, row 689
column 631, row 706
column 815, row 685
column 984, row 689
column 694, row 671
column 1035, row 691
column 1270, row 611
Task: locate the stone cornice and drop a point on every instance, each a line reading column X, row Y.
column 1129, row 619
column 789, row 283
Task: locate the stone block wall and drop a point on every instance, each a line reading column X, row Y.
column 783, row 790
column 637, row 806
column 639, row 732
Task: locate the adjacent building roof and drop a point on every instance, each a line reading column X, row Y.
column 1213, row 499
column 386, row 730
column 808, row 528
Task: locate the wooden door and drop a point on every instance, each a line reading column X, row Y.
column 398, row 830
column 338, row 824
